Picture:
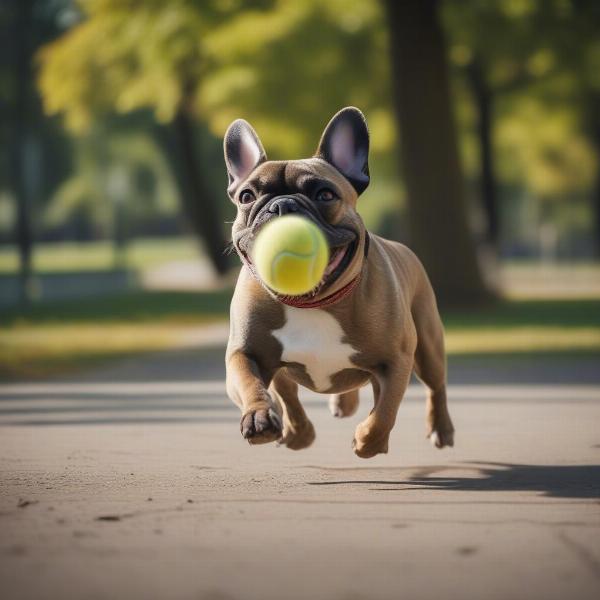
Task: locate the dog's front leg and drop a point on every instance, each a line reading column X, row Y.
column 247, row 387
column 298, row 431
column 389, row 384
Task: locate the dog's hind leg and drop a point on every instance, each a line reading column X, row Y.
column 371, row 436
column 430, row 367
column 343, row 405
column 298, row 431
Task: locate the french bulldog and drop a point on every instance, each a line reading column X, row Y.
column 372, row 318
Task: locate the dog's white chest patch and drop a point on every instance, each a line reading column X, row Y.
column 313, row 338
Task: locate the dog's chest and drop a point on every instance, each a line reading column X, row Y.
column 314, row 338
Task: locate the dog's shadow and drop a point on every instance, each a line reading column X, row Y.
column 555, row 481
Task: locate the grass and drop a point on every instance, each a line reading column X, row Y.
column 36, row 352
column 141, row 307
column 565, row 314
column 515, row 340
column 525, row 326
column 56, row 337
column 99, row 256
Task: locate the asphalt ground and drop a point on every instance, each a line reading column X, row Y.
column 133, row 482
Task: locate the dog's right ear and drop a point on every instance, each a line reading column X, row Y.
column 345, row 145
column 243, row 152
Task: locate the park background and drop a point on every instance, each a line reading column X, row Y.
column 485, row 136
column 123, row 473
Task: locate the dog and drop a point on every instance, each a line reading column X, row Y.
column 373, row 318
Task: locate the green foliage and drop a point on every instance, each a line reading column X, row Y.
column 537, row 57
column 545, row 148
column 111, row 168
column 300, row 58
column 131, row 54
column 287, row 66
column 265, row 62
column 306, row 59
column 48, row 146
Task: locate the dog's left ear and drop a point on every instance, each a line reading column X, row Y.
column 243, row 152
column 345, row 145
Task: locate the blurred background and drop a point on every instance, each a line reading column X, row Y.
column 485, row 137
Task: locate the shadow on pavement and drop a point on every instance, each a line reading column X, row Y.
column 555, row 481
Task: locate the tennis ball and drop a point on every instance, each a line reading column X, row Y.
column 290, row 254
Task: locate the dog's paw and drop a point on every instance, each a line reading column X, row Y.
column 299, row 437
column 440, row 430
column 442, row 437
column 369, row 449
column 261, row 426
column 369, row 441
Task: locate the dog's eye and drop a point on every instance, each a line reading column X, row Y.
column 247, row 196
column 325, row 195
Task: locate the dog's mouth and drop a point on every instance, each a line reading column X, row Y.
column 339, row 260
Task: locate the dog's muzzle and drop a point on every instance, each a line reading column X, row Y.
column 284, row 205
column 287, row 204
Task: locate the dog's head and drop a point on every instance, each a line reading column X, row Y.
column 324, row 189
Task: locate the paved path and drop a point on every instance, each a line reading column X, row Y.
column 144, row 490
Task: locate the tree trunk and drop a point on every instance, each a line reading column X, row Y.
column 596, row 198
column 484, row 102
column 439, row 229
column 198, row 202
column 596, row 217
column 592, row 113
column 22, row 73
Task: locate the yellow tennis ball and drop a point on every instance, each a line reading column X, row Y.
column 290, row 254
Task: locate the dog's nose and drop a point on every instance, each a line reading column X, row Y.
column 283, row 206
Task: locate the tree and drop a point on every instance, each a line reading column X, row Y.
column 538, row 52
column 134, row 54
column 493, row 63
column 439, row 227
column 39, row 153
column 303, row 62
column 580, row 53
column 21, row 107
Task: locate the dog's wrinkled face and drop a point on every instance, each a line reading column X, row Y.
column 323, row 188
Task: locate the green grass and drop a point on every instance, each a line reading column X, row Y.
column 134, row 307
column 525, row 327
column 567, row 314
column 55, row 337
column 99, row 256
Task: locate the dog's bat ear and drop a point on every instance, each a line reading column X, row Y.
column 243, row 152
column 345, row 145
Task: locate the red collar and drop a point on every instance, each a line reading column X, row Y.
column 327, row 301
column 297, row 302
